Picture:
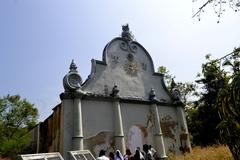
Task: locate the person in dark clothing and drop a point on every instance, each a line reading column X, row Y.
column 128, row 155
column 138, row 155
column 147, row 152
column 111, row 156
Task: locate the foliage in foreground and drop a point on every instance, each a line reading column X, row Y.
column 187, row 89
column 206, row 153
column 215, row 117
column 218, row 112
column 17, row 116
column 203, row 118
column 219, row 7
column 228, row 103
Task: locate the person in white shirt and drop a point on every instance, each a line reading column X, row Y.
column 102, row 155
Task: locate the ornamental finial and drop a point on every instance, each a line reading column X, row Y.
column 72, row 80
column 175, row 93
column 173, row 84
column 152, row 95
column 115, row 91
column 126, row 33
column 73, row 67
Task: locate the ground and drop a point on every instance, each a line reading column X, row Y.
column 219, row 152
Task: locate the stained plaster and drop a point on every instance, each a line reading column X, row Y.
column 132, row 71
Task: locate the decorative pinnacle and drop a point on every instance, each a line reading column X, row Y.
column 152, row 95
column 115, row 91
column 126, row 33
column 173, row 84
column 73, row 67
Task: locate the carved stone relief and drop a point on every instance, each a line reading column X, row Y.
column 114, row 59
column 129, row 47
column 131, row 66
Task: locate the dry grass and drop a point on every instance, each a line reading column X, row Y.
column 5, row 158
column 198, row 153
column 206, row 153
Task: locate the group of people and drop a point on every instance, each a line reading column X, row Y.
column 148, row 153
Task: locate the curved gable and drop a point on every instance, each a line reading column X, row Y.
column 128, row 65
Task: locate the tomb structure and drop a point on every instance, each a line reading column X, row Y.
column 122, row 104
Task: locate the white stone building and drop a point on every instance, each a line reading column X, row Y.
column 123, row 104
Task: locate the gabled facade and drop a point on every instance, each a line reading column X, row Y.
column 122, row 104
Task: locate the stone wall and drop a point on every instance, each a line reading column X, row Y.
column 122, row 104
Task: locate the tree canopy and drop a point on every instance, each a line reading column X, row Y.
column 203, row 117
column 228, row 102
column 188, row 90
column 17, row 116
column 214, row 117
column 216, row 114
column 219, row 7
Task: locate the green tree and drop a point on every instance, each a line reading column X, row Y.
column 167, row 76
column 17, row 116
column 216, row 117
column 188, row 90
column 228, row 102
column 203, row 118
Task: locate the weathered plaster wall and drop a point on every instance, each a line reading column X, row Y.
column 171, row 128
column 137, row 125
column 98, row 125
column 97, row 117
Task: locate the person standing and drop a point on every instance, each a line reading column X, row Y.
column 138, row 155
column 111, row 156
column 128, row 155
column 147, row 152
column 102, row 155
column 118, row 155
column 152, row 151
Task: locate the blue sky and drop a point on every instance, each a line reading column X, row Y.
column 39, row 38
